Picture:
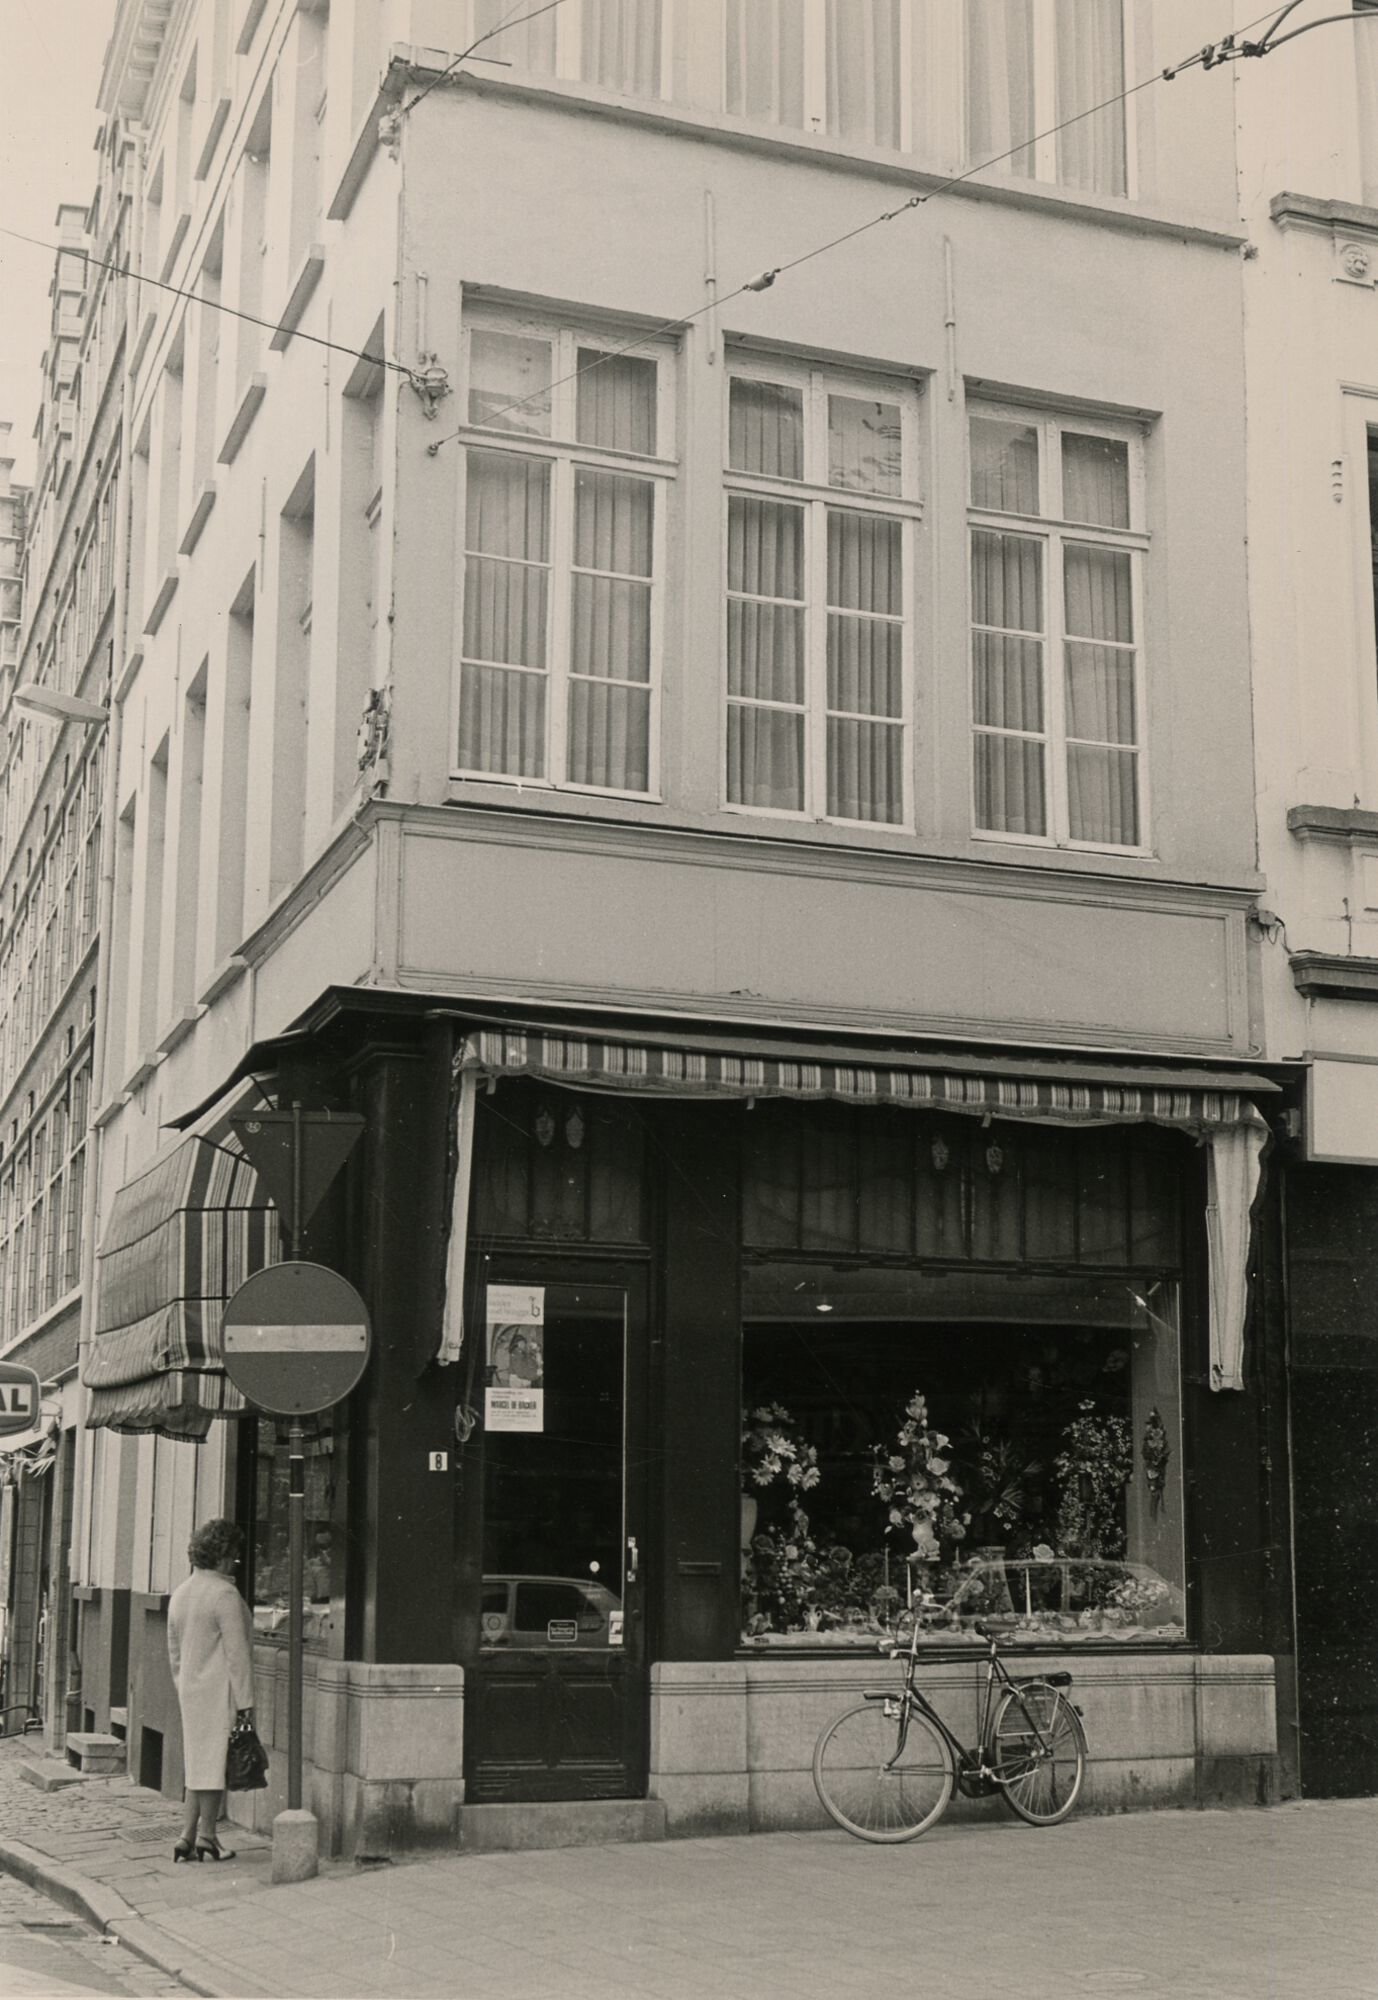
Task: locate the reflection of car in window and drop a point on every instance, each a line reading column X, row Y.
column 1068, row 1597
column 547, row 1611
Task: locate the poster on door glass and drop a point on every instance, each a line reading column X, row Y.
column 514, row 1351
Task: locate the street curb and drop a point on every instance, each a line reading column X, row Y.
column 213, row 1978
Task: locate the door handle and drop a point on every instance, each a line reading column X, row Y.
column 633, row 1559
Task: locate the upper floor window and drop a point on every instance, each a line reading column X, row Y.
column 821, row 505
column 1033, row 65
column 821, row 65
column 619, row 45
column 1056, row 550
column 567, row 466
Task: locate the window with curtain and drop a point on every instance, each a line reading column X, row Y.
column 1043, row 79
column 834, row 66
column 564, row 501
column 1056, row 546
column 821, row 507
column 617, row 44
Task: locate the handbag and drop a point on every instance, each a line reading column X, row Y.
column 246, row 1760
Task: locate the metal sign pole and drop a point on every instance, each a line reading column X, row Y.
column 296, row 1524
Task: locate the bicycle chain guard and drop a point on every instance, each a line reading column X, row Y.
column 971, row 1782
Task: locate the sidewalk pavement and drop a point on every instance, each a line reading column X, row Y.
column 1270, row 1904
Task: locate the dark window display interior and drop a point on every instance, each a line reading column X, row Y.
column 269, row 1581
column 559, row 1168
column 1004, row 1442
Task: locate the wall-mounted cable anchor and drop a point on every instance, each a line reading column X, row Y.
column 432, row 385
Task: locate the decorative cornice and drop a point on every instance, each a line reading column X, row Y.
column 1325, row 976
column 1307, row 211
column 1347, row 824
column 131, row 60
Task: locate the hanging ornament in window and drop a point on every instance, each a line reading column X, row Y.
column 574, row 1130
column 940, row 1154
column 995, row 1158
column 1156, row 1452
column 545, row 1127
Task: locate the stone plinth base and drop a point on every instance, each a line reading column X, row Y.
column 95, row 1755
column 492, row 1829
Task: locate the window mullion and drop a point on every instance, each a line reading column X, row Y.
column 561, row 618
column 816, row 630
column 815, row 65
column 1055, row 693
column 1045, row 88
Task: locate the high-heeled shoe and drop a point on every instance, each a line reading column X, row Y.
column 211, row 1850
column 184, row 1851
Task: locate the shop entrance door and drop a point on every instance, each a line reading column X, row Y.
column 556, row 1703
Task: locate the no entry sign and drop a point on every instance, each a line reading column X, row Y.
column 19, row 1399
column 296, row 1339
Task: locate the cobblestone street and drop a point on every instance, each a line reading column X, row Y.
column 1247, row 1905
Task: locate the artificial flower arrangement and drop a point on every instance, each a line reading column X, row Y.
column 914, row 1479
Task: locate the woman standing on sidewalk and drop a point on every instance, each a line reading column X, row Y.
column 208, row 1646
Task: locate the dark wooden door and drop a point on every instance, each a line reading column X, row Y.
column 556, row 1701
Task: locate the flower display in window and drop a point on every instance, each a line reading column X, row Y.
column 1095, row 1464
column 914, row 1479
column 773, row 1448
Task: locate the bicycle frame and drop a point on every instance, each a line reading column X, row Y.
column 974, row 1762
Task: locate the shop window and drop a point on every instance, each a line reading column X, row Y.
column 960, row 1372
column 269, row 1579
column 560, row 1168
column 1057, row 546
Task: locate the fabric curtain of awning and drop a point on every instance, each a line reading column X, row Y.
column 1214, row 1106
column 181, row 1239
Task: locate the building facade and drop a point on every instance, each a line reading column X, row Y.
column 52, row 785
column 1309, row 168
column 710, row 748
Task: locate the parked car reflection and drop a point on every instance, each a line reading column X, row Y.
column 549, row 1611
column 1065, row 1598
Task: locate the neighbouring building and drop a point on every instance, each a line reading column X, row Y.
column 715, row 753
column 1309, row 170
column 52, row 778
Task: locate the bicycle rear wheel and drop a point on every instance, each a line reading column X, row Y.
column 872, row 1787
column 1040, row 1753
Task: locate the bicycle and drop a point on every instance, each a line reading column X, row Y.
column 885, row 1770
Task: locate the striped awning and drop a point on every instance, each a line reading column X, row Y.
column 1037, row 1089
column 182, row 1237
column 1216, row 1106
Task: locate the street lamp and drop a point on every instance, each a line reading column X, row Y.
column 54, row 706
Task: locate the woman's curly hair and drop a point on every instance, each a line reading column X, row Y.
column 212, row 1542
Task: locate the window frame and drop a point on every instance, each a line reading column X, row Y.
column 1056, row 534
column 564, row 454
column 815, row 495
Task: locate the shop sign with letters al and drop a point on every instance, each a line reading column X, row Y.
column 514, row 1355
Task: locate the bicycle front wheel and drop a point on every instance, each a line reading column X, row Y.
column 1040, row 1753
column 875, row 1786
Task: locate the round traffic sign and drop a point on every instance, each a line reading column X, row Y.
column 296, row 1338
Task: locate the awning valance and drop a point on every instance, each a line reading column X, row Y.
column 1042, row 1090
column 182, row 1237
column 1215, row 1106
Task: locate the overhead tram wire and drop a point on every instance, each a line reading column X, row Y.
column 763, row 280
column 198, row 298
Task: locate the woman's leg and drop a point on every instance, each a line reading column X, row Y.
column 191, row 1817
column 210, row 1813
